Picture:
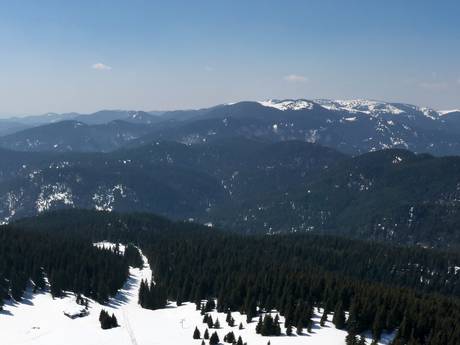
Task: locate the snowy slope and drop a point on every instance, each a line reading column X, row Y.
column 353, row 106
column 39, row 320
column 288, row 104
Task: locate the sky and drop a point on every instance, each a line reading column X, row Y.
column 84, row 56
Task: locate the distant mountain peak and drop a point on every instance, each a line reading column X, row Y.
column 369, row 107
column 288, row 104
column 447, row 112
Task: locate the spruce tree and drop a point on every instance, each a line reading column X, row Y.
column 339, row 317
column 206, row 334
column 196, row 334
column 323, row 320
column 299, row 327
column 259, row 325
column 230, row 338
column 210, row 322
column 214, row 340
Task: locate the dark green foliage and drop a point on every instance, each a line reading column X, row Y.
column 270, row 326
column 71, row 264
column 382, row 287
column 323, row 318
column 152, row 296
column 230, row 338
column 339, row 316
column 196, row 333
column 377, row 284
column 214, row 339
column 133, row 256
column 107, row 321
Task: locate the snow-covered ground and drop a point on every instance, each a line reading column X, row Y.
column 39, row 320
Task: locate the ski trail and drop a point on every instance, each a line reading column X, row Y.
column 132, row 337
column 136, row 276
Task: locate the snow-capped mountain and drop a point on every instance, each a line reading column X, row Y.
column 351, row 126
column 362, row 106
column 288, row 104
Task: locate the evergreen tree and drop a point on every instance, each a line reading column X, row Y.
column 107, row 321
column 323, row 320
column 206, row 334
column 214, row 340
column 339, row 317
column 299, row 327
column 229, row 338
column 210, row 322
column 196, row 334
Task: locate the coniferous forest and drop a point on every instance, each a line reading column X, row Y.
column 69, row 263
column 360, row 285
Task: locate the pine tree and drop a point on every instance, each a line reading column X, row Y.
column 240, row 327
column 196, row 334
column 206, row 334
column 323, row 320
column 299, row 327
column 217, row 324
column 229, row 338
column 214, row 340
column 259, row 325
column 114, row 322
column 339, row 317
column 210, row 322
column 107, row 321
column 229, row 316
column 240, row 341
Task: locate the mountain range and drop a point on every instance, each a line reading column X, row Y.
column 363, row 169
column 353, row 127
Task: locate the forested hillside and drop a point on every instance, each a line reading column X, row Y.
column 249, row 186
column 412, row 290
column 66, row 263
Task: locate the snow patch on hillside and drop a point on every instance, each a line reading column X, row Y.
column 53, row 194
column 446, row 112
column 288, row 104
column 104, row 198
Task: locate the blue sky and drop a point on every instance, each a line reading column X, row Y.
column 61, row 56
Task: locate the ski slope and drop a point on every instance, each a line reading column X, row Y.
column 39, row 320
